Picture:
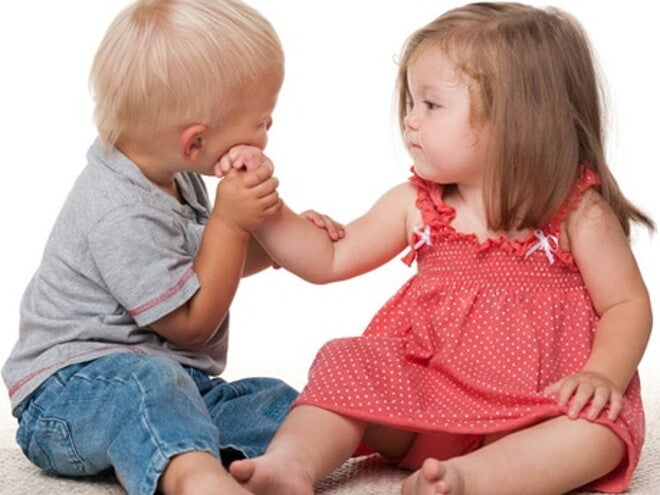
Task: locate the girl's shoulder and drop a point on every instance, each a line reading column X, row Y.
column 585, row 210
column 400, row 202
column 586, row 183
column 394, row 207
column 399, row 196
column 591, row 211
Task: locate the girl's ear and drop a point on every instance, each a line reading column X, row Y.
column 192, row 141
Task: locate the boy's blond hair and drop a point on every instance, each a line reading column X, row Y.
column 533, row 81
column 178, row 62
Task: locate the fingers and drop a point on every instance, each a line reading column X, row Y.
column 334, row 229
column 266, row 193
column 314, row 217
column 251, row 162
column 241, row 157
column 567, row 389
column 602, row 399
column 581, row 391
column 258, row 172
column 223, row 167
column 581, row 396
column 246, row 198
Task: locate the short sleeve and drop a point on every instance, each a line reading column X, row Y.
column 145, row 258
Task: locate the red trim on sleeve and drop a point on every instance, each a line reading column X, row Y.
column 164, row 296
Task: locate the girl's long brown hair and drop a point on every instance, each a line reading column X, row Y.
column 533, row 80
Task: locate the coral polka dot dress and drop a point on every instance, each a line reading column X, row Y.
column 468, row 344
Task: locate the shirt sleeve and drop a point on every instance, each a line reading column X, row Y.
column 145, row 259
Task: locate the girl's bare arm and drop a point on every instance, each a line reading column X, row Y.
column 602, row 253
column 369, row 241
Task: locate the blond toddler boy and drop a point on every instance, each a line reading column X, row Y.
column 124, row 325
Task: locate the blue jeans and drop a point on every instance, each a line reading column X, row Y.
column 132, row 413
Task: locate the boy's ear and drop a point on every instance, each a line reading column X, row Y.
column 192, row 141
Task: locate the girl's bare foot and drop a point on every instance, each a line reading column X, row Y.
column 434, row 478
column 273, row 474
column 198, row 473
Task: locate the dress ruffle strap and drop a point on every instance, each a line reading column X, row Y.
column 437, row 217
column 586, row 180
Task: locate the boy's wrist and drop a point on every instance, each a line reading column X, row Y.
column 218, row 222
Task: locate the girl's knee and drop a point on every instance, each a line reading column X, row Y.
column 608, row 444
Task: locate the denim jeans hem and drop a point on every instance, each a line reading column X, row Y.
column 159, row 462
column 133, row 413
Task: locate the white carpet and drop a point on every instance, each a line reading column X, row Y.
column 363, row 476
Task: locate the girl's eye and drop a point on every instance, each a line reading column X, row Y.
column 430, row 105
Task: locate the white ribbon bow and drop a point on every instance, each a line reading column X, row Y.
column 424, row 236
column 549, row 244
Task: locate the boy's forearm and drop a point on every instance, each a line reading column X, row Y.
column 219, row 266
column 257, row 258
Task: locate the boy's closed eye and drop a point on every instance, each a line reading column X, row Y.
column 268, row 123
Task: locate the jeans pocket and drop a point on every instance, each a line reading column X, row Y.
column 47, row 443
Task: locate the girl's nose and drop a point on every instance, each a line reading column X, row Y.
column 410, row 120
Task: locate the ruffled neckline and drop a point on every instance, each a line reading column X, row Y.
column 438, row 215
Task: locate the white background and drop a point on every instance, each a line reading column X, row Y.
column 335, row 145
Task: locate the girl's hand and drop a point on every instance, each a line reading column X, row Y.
column 580, row 388
column 241, row 157
column 334, row 229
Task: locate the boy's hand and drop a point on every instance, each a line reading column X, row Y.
column 246, row 199
column 580, row 388
column 246, row 158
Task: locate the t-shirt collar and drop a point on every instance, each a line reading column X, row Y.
column 124, row 166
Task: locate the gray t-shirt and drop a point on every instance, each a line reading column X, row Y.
column 120, row 257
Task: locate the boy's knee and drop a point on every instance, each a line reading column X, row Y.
column 153, row 371
column 276, row 386
column 267, row 390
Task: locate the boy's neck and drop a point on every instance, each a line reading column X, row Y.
column 152, row 167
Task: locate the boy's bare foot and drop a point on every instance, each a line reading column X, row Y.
column 273, row 474
column 434, row 478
